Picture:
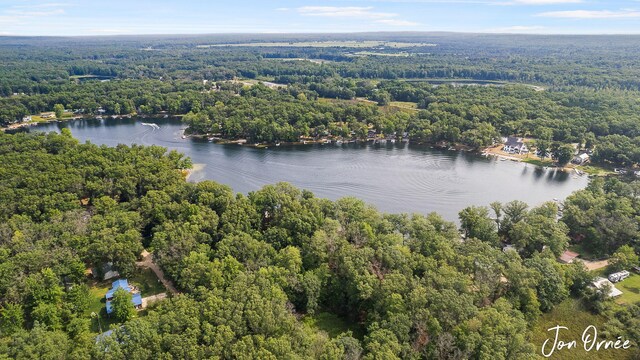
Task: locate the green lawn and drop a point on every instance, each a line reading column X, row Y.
column 333, row 325
column 97, row 305
column 404, row 104
column 572, row 314
column 147, row 281
column 538, row 162
column 144, row 279
column 584, row 251
column 595, row 170
column 630, row 288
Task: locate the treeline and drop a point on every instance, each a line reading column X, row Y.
column 606, row 122
column 251, row 267
column 35, row 65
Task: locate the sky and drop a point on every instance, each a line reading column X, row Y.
column 122, row 17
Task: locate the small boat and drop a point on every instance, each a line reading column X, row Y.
column 155, row 126
column 210, row 139
column 277, row 144
column 98, row 117
column 338, row 142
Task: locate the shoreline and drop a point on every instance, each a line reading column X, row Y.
column 19, row 125
column 443, row 145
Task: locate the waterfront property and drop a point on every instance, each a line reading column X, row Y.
column 581, row 159
column 514, row 145
column 123, row 284
column 424, row 179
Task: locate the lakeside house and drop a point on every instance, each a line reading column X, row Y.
column 123, row 284
column 581, row 159
column 514, row 145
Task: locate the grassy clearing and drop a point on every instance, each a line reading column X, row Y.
column 630, row 288
column 573, row 315
column 538, row 162
column 404, row 104
column 584, row 251
column 371, row 53
column 97, row 305
column 333, row 325
column 595, row 170
column 147, row 281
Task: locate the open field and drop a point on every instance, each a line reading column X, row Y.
column 372, row 53
column 630, row 288
column 325, row 44
column 573, row 315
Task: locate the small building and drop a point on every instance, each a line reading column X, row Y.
column 514, row 145
column 568, row 257
column 47, row 115
column 581, row 159
column 600, row 283
column 123, row 284
column 27, row 118
column 106, row 271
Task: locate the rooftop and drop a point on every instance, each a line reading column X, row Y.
column 568, row 256
column 601, row 282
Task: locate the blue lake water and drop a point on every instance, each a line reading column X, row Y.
column 395, row 177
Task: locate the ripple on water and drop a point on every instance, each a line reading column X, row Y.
column 393, row 178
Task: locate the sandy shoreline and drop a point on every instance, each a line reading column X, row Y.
column 195, row 168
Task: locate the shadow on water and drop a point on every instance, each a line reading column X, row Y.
column 395, row 177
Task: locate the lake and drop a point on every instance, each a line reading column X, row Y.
column 395, row 177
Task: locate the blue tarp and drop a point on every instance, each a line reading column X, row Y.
column 122, row 283
column 136, row 299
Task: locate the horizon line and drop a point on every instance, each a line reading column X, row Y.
column 321, row 33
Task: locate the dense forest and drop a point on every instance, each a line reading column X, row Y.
column 279, row 273
column 558, row 90
column 252, row 268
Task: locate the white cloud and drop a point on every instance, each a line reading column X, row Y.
column 344, row 12
column 517, row 29
column 26, row 13
column 395, row 22
column 591, row 14
column 546, row 2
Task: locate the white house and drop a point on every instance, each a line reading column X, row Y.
column 514, row 145
column 599, row 283
column 581, row 159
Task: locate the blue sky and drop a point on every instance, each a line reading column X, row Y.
column 116, row 17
